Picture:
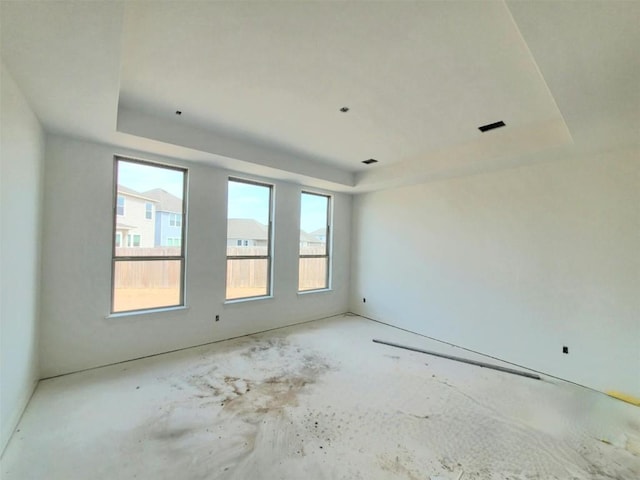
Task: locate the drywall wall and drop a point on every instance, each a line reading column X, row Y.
column 514, row 264
column 76, row 330
column 21, row 157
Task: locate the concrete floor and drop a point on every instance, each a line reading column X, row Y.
column 319, row 401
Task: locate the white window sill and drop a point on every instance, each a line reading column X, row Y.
column 248, row 299
column 146, row 312
column 320, row 290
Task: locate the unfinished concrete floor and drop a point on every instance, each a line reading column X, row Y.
column 319, row 401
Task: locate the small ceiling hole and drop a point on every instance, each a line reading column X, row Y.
column 370, row 161
column 491, row 126
column 178, row 112
column 344, row 109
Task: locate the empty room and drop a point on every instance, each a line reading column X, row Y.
column 320, row 240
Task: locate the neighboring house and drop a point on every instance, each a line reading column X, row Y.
column 168, row 218
column 134, row 219
column 309, row 240
column 320, row 234
column 246, row 232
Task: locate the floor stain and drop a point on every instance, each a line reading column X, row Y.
column 399, row 467
column 316, row 404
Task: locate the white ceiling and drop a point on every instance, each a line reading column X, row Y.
column 260, row 84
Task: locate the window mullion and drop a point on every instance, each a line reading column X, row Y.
column 148, row 258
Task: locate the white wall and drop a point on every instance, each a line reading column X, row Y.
column 21, row 157
column 76, row 332
column 514, row 264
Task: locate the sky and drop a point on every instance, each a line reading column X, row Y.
column 245, row 200
column 142, row 178
column 313, row 212
column 252, row 201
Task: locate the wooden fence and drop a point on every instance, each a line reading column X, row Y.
column 247, row 273
column 240, row 273
column 149, row 274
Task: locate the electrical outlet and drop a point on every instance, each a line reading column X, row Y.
column 565, row 349
column 364, row 300
column 217, row 318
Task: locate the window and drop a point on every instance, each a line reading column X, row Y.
column 175, row 220
column 133, row 240
column 151, row 276
column 174, row 242
column 120, row 206
column 248, row 216
column 314, row 264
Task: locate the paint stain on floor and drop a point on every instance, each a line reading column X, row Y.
column 318, row 401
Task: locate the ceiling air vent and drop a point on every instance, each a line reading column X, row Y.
column 370, row 161
column 491, row 126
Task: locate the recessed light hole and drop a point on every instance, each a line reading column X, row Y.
column 344, row 109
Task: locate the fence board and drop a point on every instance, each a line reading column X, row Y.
column 240, row 273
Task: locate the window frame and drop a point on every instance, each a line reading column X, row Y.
column 327, row 248
column 175, row 219
column 140, row 258
column 268, row 257
column 148, row 210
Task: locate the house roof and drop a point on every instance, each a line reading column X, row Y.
column 124, row 226
column 246, row 228
column 307, row 237
column 249, row 229
column 133, row 193
column 319, row 231
column 166, row 201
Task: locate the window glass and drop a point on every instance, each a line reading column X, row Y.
column 146, row 284
column 313, row 272
column 148, row 258
column 248, row 239
column 120, row 205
